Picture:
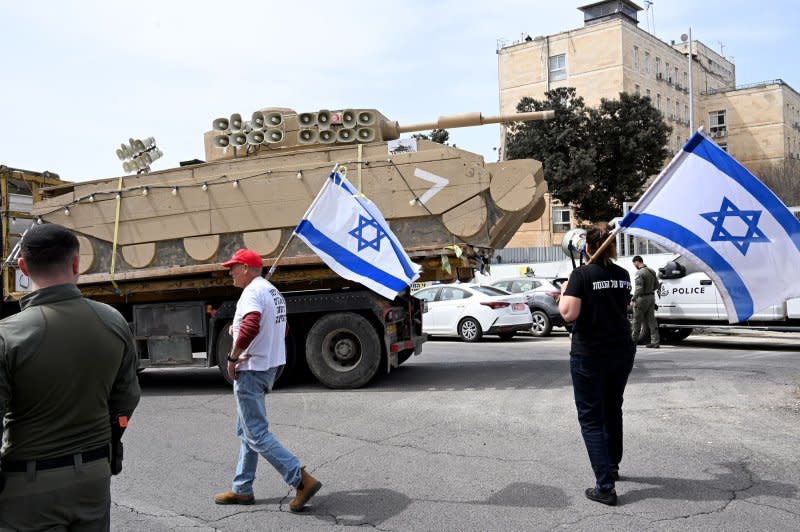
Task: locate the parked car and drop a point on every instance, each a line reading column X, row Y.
column 542, row 298
column 470, row 311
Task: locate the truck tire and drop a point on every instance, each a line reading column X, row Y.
column 287, row 372
column 223, row 347
column 671, row 335
column 343, row 350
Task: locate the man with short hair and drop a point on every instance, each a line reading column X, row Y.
column 259, row 350
column 644, row 302
column 67, row 372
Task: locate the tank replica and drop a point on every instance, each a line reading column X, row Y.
column 169, row 230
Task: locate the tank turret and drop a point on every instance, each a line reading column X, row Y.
column 276, row 128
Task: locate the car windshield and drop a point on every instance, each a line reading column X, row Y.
column 490, row 291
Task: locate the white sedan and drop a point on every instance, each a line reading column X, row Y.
column 470, row 311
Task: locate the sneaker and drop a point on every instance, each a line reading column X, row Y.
column 230, row 497
column 653, row 346
column 604, row 497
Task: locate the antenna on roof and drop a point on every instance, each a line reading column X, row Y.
column 649, row 14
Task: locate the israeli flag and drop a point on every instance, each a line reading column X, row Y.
column 349, row 233
column 710, row 209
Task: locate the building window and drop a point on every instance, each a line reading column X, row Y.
column 658, row 102
column 675, row 79
column 647, row 62
column 636, row 58
column 686, row 112
column 636, row 88
column 686, row 80
column 561, row 219
column 667, row 73
column 648, row 94
column 723, row 145
column 558, row 67
column 716, row 121
column 658, row 68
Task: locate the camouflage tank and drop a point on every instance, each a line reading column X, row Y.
column 447, row 206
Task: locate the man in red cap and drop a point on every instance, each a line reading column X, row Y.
column 259, row 350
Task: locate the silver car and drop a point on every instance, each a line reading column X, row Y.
column 542, row 298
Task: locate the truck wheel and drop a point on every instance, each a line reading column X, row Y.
column 541, row 323
column 673, row 335
column 287, row 372
column 470, row 330
column 343, row 350
column 222, row 348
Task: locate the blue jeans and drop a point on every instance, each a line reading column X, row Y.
column 252, row 427
column 599, row 383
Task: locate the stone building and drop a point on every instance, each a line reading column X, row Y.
column 759, row 124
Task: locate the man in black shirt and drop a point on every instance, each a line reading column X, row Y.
column 601, row 357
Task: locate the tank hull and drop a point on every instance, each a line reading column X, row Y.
column 188, row 220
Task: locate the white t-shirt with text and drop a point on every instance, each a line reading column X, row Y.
column 268, row 348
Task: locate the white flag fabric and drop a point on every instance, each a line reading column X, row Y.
column 713, row 211
column 349, row 233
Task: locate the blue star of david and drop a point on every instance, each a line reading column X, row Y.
column 363, row 236
column 750, row 218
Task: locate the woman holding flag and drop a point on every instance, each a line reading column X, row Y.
column 596, row 299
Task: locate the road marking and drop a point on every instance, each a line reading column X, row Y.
column 438, row 184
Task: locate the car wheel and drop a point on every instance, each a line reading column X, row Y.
column 541, row 323
column 470, row 330
column 673, row 336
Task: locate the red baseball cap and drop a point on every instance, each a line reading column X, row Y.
column 245, row 256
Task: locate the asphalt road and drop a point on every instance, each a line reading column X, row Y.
column 485, row 437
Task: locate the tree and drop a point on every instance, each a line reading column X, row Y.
column 437, row 135
column 782, row 179
column 594, row 159
column 631, row 141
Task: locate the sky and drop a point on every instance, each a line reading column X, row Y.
column 81, row 77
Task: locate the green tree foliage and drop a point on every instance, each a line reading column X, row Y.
column 594, row 159
column 437, row 135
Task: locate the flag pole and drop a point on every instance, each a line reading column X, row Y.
column 306, row 215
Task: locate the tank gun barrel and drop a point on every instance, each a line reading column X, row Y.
column 472, row 119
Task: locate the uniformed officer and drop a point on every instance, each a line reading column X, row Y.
column 644, row 302
column 67, row 367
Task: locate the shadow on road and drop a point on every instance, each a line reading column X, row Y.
column 374, row 507
column 738, row 482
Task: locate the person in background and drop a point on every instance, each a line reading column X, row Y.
column 596, row 299
column 644, row 302
column 67, row 374
column 258, row 352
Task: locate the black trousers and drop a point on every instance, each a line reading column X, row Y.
column 599, row 384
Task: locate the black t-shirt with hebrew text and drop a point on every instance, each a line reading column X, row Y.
column 602, row 327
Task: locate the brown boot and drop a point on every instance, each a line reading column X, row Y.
column 230, row 497
column 307, row 488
